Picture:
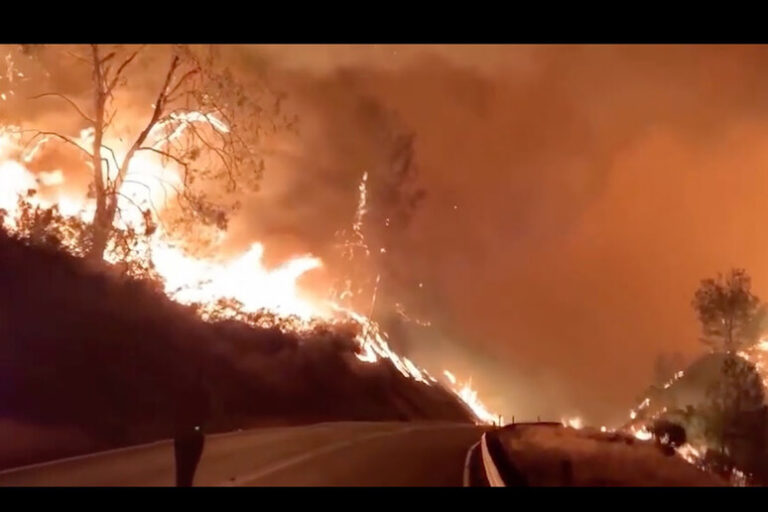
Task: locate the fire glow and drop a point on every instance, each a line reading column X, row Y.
column 755, row 354
column 187, row 279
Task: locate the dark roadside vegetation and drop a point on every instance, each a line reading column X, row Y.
column 92, row 361
column 550, row 455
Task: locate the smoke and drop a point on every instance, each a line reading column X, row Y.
column 575, row 195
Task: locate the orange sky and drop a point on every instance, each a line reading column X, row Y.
column 593, row 187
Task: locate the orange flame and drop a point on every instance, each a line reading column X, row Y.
column 194, row 280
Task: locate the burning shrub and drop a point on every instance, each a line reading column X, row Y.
column 112, row 357
column 669, row 433
column 34, row 224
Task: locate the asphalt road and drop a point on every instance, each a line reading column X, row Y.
column 327, row 454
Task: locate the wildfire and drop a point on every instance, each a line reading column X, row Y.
column 187, row 279
column 691, row 453
column 642, row 433
column 688, row 452
column 245, row 279
column 469, row 396
column 757, row 355
column 634, row 413
column 574, row 422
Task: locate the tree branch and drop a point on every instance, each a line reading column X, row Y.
column 74, row 105
column 152, row 206
column 181, row 80
column 78, row 57
column 120, row 69
column 111, row 117
column 107, row 57
column 159, row 105
column 165, row 154
column 64, row 138
column 163, row 183
column 149, row 193
column 114, row 158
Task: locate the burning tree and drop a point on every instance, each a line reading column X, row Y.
column 730, row 315
column 203, row 122
column 728, row 311
column 205, row 127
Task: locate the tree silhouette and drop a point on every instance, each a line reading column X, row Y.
column 727, row 310
column 202, row 120
column 729, row 314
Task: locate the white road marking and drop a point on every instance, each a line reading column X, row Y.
column 154, row 444
column 467, row 463
column 281, row 431
column 251, row 477
column 86, row 456
column 491, row 471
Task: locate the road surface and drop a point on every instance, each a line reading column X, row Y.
column 326, row 454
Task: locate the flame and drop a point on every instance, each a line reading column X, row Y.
column 642, row 433
column 756, row 355
column 469, row 396
column 574, row 422
column 188, row 279
column 738, row 478
column 634, row 413
column 362, row 202
column 401, row 311
column 245, row 279
column 691, row 454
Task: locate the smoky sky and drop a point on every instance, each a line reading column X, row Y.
column 575, row 196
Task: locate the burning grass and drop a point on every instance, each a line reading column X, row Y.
column 115, row 358
column 115, row 349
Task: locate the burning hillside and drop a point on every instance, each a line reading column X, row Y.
column 113, row 359
column 151, row 212
column 250, row 289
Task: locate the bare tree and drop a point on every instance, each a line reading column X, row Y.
column 203, row 120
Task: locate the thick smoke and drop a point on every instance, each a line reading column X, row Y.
column 574, row 198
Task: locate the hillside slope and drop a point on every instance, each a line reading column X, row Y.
column 115, row 360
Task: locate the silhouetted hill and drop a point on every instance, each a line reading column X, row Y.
column 115, row 359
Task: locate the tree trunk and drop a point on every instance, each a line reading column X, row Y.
column 106, row 199
column 102, row 227
column 102, row 221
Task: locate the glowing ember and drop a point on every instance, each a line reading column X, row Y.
column 633, row 414
column 738, row 478
column 756, row 355
column 574, row 422
column 691, row 454
column 641, row 433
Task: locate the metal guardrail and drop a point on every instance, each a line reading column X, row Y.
column 497, row 469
